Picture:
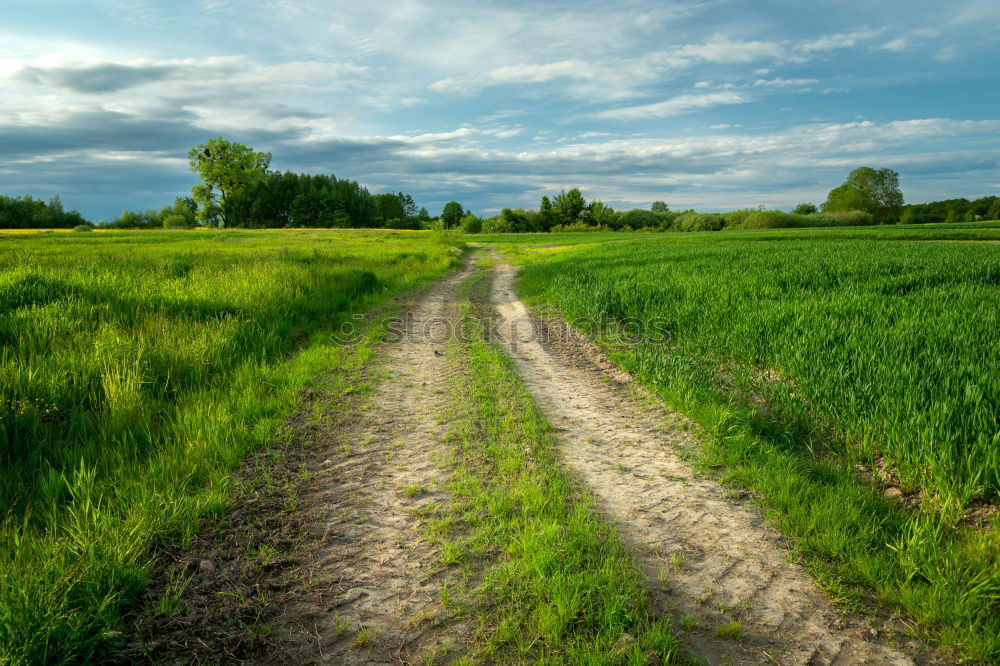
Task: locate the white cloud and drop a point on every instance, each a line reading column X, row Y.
column 946, row 53
column 783, row 83
column 898, row 44
column 542, row 73
column 674, row 106
column 435, row 137
column 840, row 40
column 721, row 49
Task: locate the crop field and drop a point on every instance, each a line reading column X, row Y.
column 819, row 360
column 135, row 371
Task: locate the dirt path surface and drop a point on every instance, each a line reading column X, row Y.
column 382, row 579
column 706, row 556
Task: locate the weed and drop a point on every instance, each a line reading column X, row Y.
column 732, row 630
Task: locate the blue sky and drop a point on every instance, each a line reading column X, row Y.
column 713, row 105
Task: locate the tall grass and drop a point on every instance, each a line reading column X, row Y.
column 806, row 355
column 135, row 371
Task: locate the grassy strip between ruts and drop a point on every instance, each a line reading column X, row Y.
column 553, row 581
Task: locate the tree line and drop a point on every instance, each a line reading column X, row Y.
column 238, row 189
column 952, row 210
column 29, row 213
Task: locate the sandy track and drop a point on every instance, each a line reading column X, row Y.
column 705, row 555
column 380, row 574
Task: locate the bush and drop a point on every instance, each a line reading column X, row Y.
column 83, row 227
column 776, row 219
column 773, row 219
column 698, row 222
column 638, row 218
column 497, row 225
column 580, row 226
column 175, row 222
column 846, row 218
column 470, row 224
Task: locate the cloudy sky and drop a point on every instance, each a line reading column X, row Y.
column 712, row 105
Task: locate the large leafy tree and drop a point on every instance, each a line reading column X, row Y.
column 452, row 214
column 568, row 206
column 227, row 167
column 873, row 190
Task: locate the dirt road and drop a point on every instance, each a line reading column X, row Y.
column 366, row 586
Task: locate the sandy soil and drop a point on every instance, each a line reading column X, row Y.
column 383, row 579
column 705, row 553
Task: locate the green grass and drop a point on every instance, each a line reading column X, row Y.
column 136, row 370
column 555, row 584
column 806, row 353
column 955, row 231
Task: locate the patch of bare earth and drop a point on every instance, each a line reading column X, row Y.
column 336, row 571
column 383, row 580
column 708, row 557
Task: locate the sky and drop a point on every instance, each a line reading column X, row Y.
column 712, row 105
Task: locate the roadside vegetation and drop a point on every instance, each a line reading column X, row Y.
column 850, row 381
column 135, row 372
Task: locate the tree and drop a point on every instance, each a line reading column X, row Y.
column 225, row 166
column 597, row 214
column 871, row 190
column 994, row 211
column 805, row 209
column 970, row 216
column 659, row 207
column 452, row 214
column 546, row 216
column 909, row 216
column 568, row 206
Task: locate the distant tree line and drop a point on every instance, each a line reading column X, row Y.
column 867, row 196
column 237, row 189
column 29, row 213
column 952, row 210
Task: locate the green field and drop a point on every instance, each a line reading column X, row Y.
column 136, row 370
column 816, row 359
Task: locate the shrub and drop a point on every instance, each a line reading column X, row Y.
column 776, row 219
column 175, row 222
column 470, row 224
column 646, row 219
column 580, row 226
column 698, row 222
column 497, row 225
column 82, row 227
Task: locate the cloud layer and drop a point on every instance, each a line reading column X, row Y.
column 712, row 105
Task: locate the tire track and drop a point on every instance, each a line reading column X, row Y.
column 382, row 580
column 708, row 559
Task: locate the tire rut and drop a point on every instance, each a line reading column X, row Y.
column 382, row 580
column 706, row 556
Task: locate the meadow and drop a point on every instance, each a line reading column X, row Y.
column 827, row 366
column 136, row 370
